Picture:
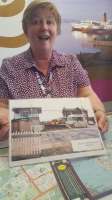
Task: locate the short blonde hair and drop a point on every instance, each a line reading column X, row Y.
column 36, row 4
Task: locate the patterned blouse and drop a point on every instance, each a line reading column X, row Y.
column 18, row 77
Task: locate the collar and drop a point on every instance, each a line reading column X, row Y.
column 57, row 60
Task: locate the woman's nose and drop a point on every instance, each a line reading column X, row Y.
column 44, row 24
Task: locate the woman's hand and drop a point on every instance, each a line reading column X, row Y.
column 4, row 123
column 101, row 120
column 97, row 106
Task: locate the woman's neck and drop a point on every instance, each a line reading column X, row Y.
column 42, row 65
column 42, row 60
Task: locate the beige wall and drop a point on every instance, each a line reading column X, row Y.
column 12, row 39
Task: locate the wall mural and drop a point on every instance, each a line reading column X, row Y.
column 10, row 10
column 13, row 42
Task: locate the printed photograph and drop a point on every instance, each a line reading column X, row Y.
column 47, row 128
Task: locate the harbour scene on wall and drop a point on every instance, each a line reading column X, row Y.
column 87, row 32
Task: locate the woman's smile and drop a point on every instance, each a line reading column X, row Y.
column 44, row 37
column 42, row 31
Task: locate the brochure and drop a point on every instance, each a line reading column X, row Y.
column 51, row 129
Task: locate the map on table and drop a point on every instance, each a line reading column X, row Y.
column 30, row 182
column 43, row 130
column 96, row 173
column 33, row 182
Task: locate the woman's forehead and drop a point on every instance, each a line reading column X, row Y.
column 43, row 12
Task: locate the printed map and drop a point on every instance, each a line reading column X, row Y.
column 32, row 182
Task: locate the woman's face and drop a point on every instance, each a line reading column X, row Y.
column 42, row 31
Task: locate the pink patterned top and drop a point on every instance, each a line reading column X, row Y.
column 18, row 78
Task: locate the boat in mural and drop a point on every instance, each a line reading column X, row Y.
column 94, row 27
column 102, row 40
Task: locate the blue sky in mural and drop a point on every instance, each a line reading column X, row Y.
column 84, row 9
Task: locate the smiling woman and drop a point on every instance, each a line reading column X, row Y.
column 42, row 72
column 41, row 24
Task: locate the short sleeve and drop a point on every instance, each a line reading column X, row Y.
column 81, row 78
column 3, row 89
column 4, row 92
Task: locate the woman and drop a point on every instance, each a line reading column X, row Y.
column 42, row 72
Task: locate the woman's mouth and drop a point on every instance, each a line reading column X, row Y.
column 44, row 37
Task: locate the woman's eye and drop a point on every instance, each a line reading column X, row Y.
column 39, row 21
column 36, row 21
column 49, row 22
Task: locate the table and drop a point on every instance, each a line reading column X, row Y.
column 97, row 175
column 37, row 182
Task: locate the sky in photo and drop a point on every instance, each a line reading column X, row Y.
column 84, row 9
